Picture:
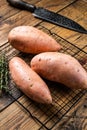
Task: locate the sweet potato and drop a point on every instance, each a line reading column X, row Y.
column 29, row 39
column 29, row 81
column 61, row 68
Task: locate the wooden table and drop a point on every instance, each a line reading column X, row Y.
column 69, row 111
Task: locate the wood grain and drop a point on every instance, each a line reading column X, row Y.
column 77, row 120
column 80, row 16
column 66, row 48
column 17, row 120
column 62, row 115
column 16, row 17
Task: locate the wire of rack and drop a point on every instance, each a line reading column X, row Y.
column 63, row 98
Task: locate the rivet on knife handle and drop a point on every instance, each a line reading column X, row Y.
column 21, row 5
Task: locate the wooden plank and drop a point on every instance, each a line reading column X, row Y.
column 73, row 11
column 20, row 119
column 76, row 118
column 14, row 117
column 48, row 115
column 8, row 11
column 6, row 100
column 63, row 98
column 55, row 5
column 74, row 37
column 20, row 17
column 67, row 48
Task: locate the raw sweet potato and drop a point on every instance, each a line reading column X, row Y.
column 61, row 68
column 29, row 81
column 29, row 39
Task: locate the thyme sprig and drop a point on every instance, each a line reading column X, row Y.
column 4, row 74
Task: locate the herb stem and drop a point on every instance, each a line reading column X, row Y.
column 4, row 74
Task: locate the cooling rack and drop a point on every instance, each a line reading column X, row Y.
column 63, row 98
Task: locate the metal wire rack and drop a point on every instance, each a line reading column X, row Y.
column 63, row 98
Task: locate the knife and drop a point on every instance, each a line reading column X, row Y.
column 47, row 15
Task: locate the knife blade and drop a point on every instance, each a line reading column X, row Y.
column 48, row 15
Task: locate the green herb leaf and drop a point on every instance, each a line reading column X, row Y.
column 4, row 74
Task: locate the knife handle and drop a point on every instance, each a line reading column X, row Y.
column 22, row 5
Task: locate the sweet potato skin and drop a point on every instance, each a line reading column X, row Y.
column 61, row 68
column 29, row 81
column 29, row 39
